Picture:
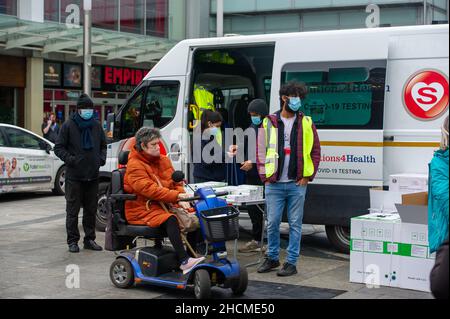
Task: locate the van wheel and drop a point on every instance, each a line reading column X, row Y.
column 240, row 286
column 102, row 213
column 339, row 236
column 60, row 182
column 121, row 273
column 202, row 284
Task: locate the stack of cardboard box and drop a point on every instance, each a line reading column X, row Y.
column 389, row 247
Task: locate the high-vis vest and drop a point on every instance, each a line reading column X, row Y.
column 272, row 148
column 204, row 100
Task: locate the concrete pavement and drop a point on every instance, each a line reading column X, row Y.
column 34, row 260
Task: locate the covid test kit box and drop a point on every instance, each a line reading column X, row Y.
column 392, row 249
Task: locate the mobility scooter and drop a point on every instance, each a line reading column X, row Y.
column 158, row 265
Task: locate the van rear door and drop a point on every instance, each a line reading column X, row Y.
column 416, row 102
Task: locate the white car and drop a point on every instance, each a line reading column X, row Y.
column 28, row 163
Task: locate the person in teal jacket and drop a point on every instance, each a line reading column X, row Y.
column 438, row 194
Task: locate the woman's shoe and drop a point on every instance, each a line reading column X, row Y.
column 190, row 263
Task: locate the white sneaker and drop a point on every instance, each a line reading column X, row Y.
column 191, row 263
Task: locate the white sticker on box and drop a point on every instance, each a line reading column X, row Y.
column 419, row 251
column 392, row 248
column 373, row 246
column 357, row 245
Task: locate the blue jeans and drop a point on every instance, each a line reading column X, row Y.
column 279, row 195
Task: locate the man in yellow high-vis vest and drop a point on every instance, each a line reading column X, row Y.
column 288, row 157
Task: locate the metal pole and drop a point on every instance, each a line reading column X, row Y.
column 87, row 59
column 424, row 11
column 220, row 18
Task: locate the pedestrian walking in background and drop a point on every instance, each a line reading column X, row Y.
column 50, row 129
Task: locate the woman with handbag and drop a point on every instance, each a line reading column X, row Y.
column 149, row 176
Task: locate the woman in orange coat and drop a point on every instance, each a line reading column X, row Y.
column 146, row 170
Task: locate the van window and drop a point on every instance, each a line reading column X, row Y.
column 233, row 94
column 131, row 119
column 267, row 82
column 342, row 95
column 161, row 103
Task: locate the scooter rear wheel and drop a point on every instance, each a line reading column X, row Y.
column 121, row 273
column 202, row 284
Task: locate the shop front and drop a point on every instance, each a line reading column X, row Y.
column 111, row 87
column 12, row 85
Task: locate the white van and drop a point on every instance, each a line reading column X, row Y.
column 377, row 96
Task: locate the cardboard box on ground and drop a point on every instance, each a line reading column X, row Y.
column 389, row 247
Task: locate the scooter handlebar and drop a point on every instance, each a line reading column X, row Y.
column 191, row 199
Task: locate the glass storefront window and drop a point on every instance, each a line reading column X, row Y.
column 47, row 109
column 8, row 106
column 8, row 7
column 51, row 10
column 60, row 95
column 157, row 17
column 105, row 14
column 104, row 95
column 48, row 95
column 132, row 16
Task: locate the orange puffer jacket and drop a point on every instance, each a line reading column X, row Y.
column 140, row 180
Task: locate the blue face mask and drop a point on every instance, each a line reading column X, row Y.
column 295, row 103
column 214, row 130
column 86, row 114
column 256, row 120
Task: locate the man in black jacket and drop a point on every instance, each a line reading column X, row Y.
column 258, row 110
column 81, row 144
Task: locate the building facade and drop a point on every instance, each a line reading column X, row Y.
column 41, row 53
column 267, row 16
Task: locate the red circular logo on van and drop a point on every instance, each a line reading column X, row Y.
column 426, row 95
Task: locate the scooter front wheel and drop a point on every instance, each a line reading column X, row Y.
column 121, row 273
column 240, row 286
column 202, row 284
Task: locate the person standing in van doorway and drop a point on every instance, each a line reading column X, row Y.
column 258, row 110
column 212, row 167
column 81, row 144
column 288, row 156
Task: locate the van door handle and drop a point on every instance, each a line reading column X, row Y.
column 389, row 138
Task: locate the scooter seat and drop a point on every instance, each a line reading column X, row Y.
column 141, row 231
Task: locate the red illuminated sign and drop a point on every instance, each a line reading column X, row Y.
column 123, row 76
